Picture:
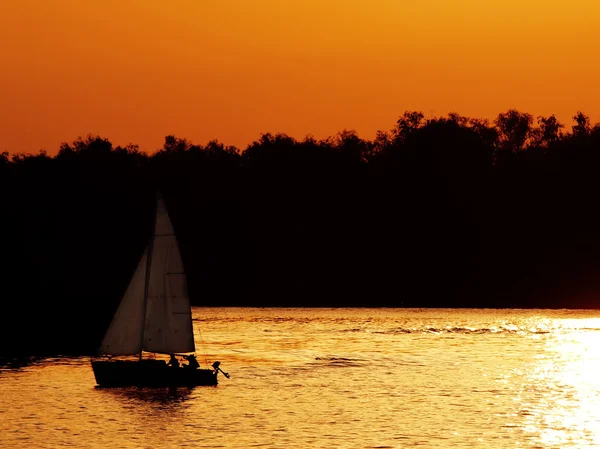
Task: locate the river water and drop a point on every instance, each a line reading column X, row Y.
column 336, row 378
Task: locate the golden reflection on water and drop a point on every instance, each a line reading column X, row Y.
column 336, row 378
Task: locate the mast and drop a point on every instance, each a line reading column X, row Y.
column 148, row 266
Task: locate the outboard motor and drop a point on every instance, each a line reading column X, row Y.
column 217, row 368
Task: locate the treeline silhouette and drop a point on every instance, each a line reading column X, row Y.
column 437, row 212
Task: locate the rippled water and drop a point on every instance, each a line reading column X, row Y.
column 336, row 378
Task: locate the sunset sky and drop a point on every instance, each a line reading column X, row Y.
column 134, row 71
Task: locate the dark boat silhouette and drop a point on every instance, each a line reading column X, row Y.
column 154, row 317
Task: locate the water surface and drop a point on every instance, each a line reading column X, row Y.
column 336, row 378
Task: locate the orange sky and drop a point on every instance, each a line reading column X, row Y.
column 135, row 71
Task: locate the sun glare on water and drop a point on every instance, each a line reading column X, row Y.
column 561, row 396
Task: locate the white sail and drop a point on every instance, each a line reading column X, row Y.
column 168, row 322
column 154, row 314
column 124, row 335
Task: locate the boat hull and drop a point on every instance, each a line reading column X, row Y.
column 149, row 373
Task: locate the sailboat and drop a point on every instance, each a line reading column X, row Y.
column 154, row 316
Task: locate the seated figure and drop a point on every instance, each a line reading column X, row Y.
column 193, row 363
column 173, row 361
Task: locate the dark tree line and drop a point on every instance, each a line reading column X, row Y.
column 442, row 212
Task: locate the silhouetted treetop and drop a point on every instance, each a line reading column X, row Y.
column 548, row 131
column 514, row 129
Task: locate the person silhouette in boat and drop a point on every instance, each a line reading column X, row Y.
column 192, row 362
column 173, row 361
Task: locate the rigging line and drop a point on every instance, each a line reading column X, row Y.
column 203, row 344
